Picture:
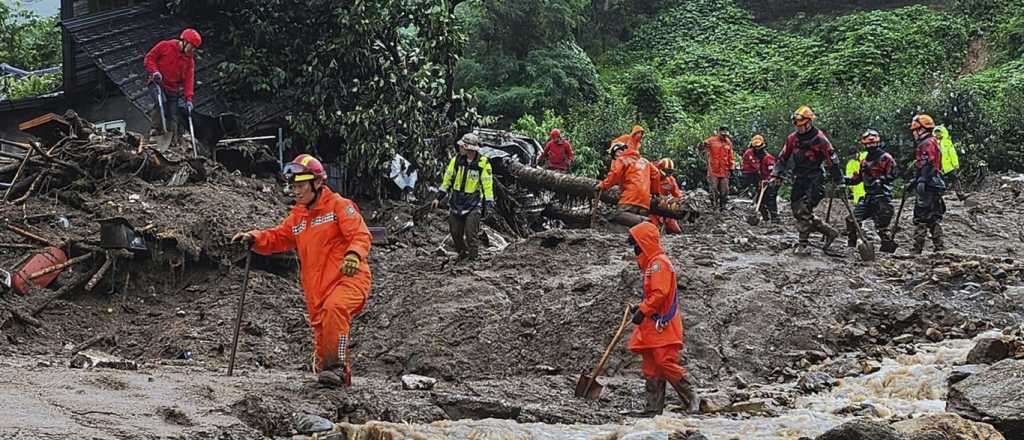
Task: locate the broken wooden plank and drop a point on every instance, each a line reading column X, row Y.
column 60, row 266
column 236, row 140
column 49, row 127
column 31, row 236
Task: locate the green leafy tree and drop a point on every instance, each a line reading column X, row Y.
column 29, row 41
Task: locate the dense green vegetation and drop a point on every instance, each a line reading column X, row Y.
column 30, row 43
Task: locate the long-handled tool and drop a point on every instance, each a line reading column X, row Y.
column 593, row 209
column 164, row 139
column 864, row 247
column 238, row 316
column 192, row 133
column 755, row 217
column 588, row 386
column 889, row 243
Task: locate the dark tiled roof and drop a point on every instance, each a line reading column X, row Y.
column 117, row 41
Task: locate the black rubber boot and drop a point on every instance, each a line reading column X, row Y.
column 691, row 403
column 654, row 390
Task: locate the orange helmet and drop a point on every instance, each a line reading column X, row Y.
column 870, row 137
column 304, row 168
column 757, row 141
column 922, row 121
column 802, row 116
column 666, row 164
column 192, row 37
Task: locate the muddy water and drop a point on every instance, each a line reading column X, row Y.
column 906, row 385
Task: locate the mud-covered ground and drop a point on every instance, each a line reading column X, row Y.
column 507, row 336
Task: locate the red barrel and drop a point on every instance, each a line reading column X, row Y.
column 48, row 257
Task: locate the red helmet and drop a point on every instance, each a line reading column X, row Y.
column 556, row 133
column 304, row 168
column 192, row 37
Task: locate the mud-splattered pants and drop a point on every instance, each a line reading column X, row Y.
column 807, row 193
column 876, row 208
column 331, row 321
column 770, row 203
column 464, row 229
column 929, row 208
column 718, row 189
column 662, row 363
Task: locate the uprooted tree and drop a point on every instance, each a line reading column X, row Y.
column 364, row 79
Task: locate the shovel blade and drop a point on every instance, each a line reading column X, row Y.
column 588, row 387
column 866, row 251
column 889, row 246
column 163, row 141
column 753, row 219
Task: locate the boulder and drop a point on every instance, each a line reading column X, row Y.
column 950, row 426
column 961, row 372
column 989, row 351
column 861, row 430
column 311, row 423
column 417, row 382
column 711, row 403
column 815, row 382
column 993, row 395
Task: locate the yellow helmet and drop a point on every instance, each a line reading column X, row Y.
column 757, row 141
column 802, row 116
column 666, row 164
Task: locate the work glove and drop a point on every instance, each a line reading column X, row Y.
column 775, row 181
column 847, row 180
column 350, row 265
column 638, row 316
column 188, row 106
column 244, row 237
column 156, row 77
column 488, row 208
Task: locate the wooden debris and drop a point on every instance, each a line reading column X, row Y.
column 60, row 266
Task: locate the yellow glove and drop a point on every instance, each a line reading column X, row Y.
column 350, row 264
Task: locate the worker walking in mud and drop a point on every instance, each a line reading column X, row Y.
column 634, row 175
column 469, row 182
column 770, row 198
column 810, row 150
column 719, row 153
column 557, row 153
column 950, row 161
column 658, row 336
column 171, row 65
column 929, row 207
column 750, row 167
column 333, row 243
column 667, row 187
column 876, row 172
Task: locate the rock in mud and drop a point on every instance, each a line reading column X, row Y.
column 311, row 423
column 903, row 339
column 174, row 416
column 815, row 382
column 989, row 351
column 934, row 334
column 99, row 359
column 416, row 382
column 470, row 407
column 949, row 426
column 961, row 372
column 861, row 430
column 993, row 395
column 711, row 403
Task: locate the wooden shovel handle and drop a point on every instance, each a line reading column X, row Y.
column 760, row 197
column 608, row 351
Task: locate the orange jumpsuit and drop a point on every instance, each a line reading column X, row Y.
column 323, row 235
column 635, row 175
column 631, row 140
column 668, row 187
column 659, row 338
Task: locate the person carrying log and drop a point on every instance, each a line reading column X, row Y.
column 876, row 172
column 333, row 243
column 658, row 336
column 667, row 187
column 634, row 175
column 810, row 150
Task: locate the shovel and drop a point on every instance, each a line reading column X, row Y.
column 864, row 247
column 192, row 134
column 889, row 244
column 593, row 209
column 755, row 217
column 588, row 386
column 164, row 140
column 238, row 316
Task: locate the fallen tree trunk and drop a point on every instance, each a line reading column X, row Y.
column 583, row 187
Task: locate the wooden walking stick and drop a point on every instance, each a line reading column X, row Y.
column 238, row 316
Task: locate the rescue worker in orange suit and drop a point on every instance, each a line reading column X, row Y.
column 667, row 187
column 658, row 336
column 877, row 172
column 557, row 152
column 929, row 207
column 718, row 149
column 333, row 243
column 770, row 199
column 810, row 149
column 171, row 65
column 634, row 175
column 750, row 166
